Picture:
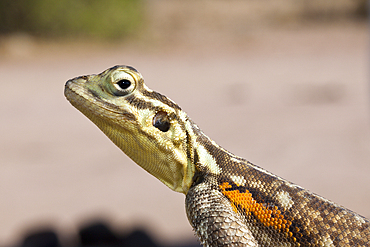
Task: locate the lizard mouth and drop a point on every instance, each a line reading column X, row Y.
column 89, row 103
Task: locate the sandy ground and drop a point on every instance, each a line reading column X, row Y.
column 294, row 101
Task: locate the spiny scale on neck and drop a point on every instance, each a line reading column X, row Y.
column 229, row 201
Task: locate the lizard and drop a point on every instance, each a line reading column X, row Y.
column 229, row 201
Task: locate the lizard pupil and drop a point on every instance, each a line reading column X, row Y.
column 161, row 121
column 124, row 84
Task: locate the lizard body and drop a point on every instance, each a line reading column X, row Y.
column 229, row 201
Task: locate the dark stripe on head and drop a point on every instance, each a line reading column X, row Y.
column 139, row 103
column 161, row 98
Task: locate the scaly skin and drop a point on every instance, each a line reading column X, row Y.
column 229, row 201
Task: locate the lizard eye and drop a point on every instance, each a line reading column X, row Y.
column 123, row 83
column 161, row 121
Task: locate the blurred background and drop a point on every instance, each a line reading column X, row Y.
column 282, row 83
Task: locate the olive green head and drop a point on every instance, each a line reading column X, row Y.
column 147, row 126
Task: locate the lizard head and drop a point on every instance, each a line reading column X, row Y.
column 147, row 126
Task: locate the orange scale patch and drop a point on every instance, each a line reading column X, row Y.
column 269, row 217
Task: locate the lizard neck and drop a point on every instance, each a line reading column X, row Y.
column 205, row 155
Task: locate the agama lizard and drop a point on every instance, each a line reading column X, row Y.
column 229, row 201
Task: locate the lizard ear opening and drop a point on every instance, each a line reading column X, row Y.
column 161, row 121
